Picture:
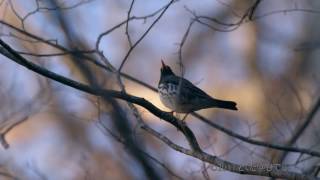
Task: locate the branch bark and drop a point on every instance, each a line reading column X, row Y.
column 11, row 54
column 212, row 124
column 196, row 150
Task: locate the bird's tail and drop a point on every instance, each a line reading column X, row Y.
column 225, row 104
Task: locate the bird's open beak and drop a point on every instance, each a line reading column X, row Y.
column 163, row 64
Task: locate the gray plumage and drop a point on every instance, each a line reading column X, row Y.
column 180, row 95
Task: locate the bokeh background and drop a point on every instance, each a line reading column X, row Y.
column 269, row 66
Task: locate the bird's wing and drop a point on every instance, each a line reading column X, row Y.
column 189, row 90
column 197, row 92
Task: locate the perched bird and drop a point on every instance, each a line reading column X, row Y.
column 181, row 96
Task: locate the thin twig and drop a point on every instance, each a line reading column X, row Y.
column 213, row 124
column 144, row 34
column 3, row 140
column 301, row 128
column 103, row 92
column 127, row 24
column 196, row 150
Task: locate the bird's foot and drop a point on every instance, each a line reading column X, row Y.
column 184, row 117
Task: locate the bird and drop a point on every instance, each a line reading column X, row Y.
column 181, row 96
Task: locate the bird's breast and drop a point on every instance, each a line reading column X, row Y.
column 168, row 93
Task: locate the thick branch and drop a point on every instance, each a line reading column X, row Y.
column 269, row 171
column 222, row 129
column 196, row 152
column 213, row 124
column 11, row 54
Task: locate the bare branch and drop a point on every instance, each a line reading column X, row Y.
column 3, row 141
column 144, row 34
column 127, row 24
column 225, row 130
column 271, row 171
column 253, row 9
column 302, row 127
column 256, row 142
column 196, row 150
column 102, row 92
column 120, row 140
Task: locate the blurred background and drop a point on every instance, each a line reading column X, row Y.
column 269, row 66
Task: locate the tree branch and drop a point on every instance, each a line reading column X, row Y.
column 212, row 124
column 195, row 152
column 144, row 34
column 269, row 171
column 103, row 92
column 300, row 129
